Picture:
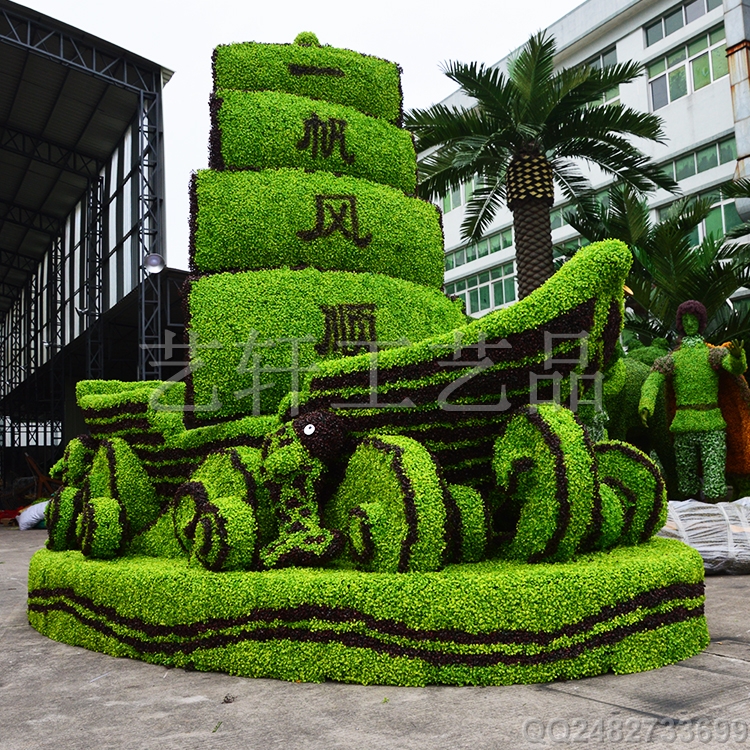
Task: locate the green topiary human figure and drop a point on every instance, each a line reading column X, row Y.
column 698, row 427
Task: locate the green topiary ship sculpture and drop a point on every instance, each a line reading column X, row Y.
column 316, row 504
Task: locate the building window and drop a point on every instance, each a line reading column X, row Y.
column 688, row 68
column 501, row 240
column 722, row 218
column 486, row 291
column 454, row 199
column 677, row 18
column 604, row 60
column 701, row 160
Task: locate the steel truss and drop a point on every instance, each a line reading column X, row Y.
column 150, row 233
column 35, row 333
column 44, row 151
column 94, row 254
column 36, row 37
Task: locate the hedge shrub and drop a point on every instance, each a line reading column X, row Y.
column 222, row 514
column 546, row 474
column 489, row 623
column 369, row 84
column 289, row 217
column 101, row 528
column 228, row 309
column 639, row 485
column 152, row 417
column 61, row 516
column 270, row 129
column 407, row 507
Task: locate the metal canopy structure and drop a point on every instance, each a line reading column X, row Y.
column 81, row 205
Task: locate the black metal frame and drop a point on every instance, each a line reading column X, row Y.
column 69, row 290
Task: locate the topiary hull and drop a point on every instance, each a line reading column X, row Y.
column 493, row 623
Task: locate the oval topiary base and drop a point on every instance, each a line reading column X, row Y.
column 493, row 623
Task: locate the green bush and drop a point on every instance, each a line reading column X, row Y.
column 269, row 129
column 489, row 623
column 100, row 528
column 307, row 307
column 392, row 492
column 366, row 83
column 638, row 483
column 545, row 471
column 151, row 417
column 60, row 518
column 222, row 514
column 285, row 217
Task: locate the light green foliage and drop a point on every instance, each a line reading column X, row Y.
column 228, row 308
column 60, row 518
column 264, row 130
column 74, row 465
column 473, row 522
column 186, row 608
column 647, row 354
column 638, row 484
column 398, row 236
column 307, row 39
column 394, row 479
column 216, row 513
column 117, row 473
column 369, row 84
column 99, row 528
column 613, row 516
column 543, row 464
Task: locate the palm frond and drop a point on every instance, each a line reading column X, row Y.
column 482, row 207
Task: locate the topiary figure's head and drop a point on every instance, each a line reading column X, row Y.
column 306, row 39
column 304, row 445
column 695, row 309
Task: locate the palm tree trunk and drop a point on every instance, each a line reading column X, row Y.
column 533, row 244
column 531, row 193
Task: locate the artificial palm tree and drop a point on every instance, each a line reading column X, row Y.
column 522, row 135
column 670, row 265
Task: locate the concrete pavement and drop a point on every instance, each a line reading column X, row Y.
column 63, row 697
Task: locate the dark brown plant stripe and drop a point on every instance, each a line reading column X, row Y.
column 304, row 612
column 202, row 637
column 197, row 492
column 88, row 528
column 407, row 492
column 561, row 487
column 128, row 424
column 107, row 412
column 215, row 155
column 251, row 487
column 193, row 230
column 314, row 70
